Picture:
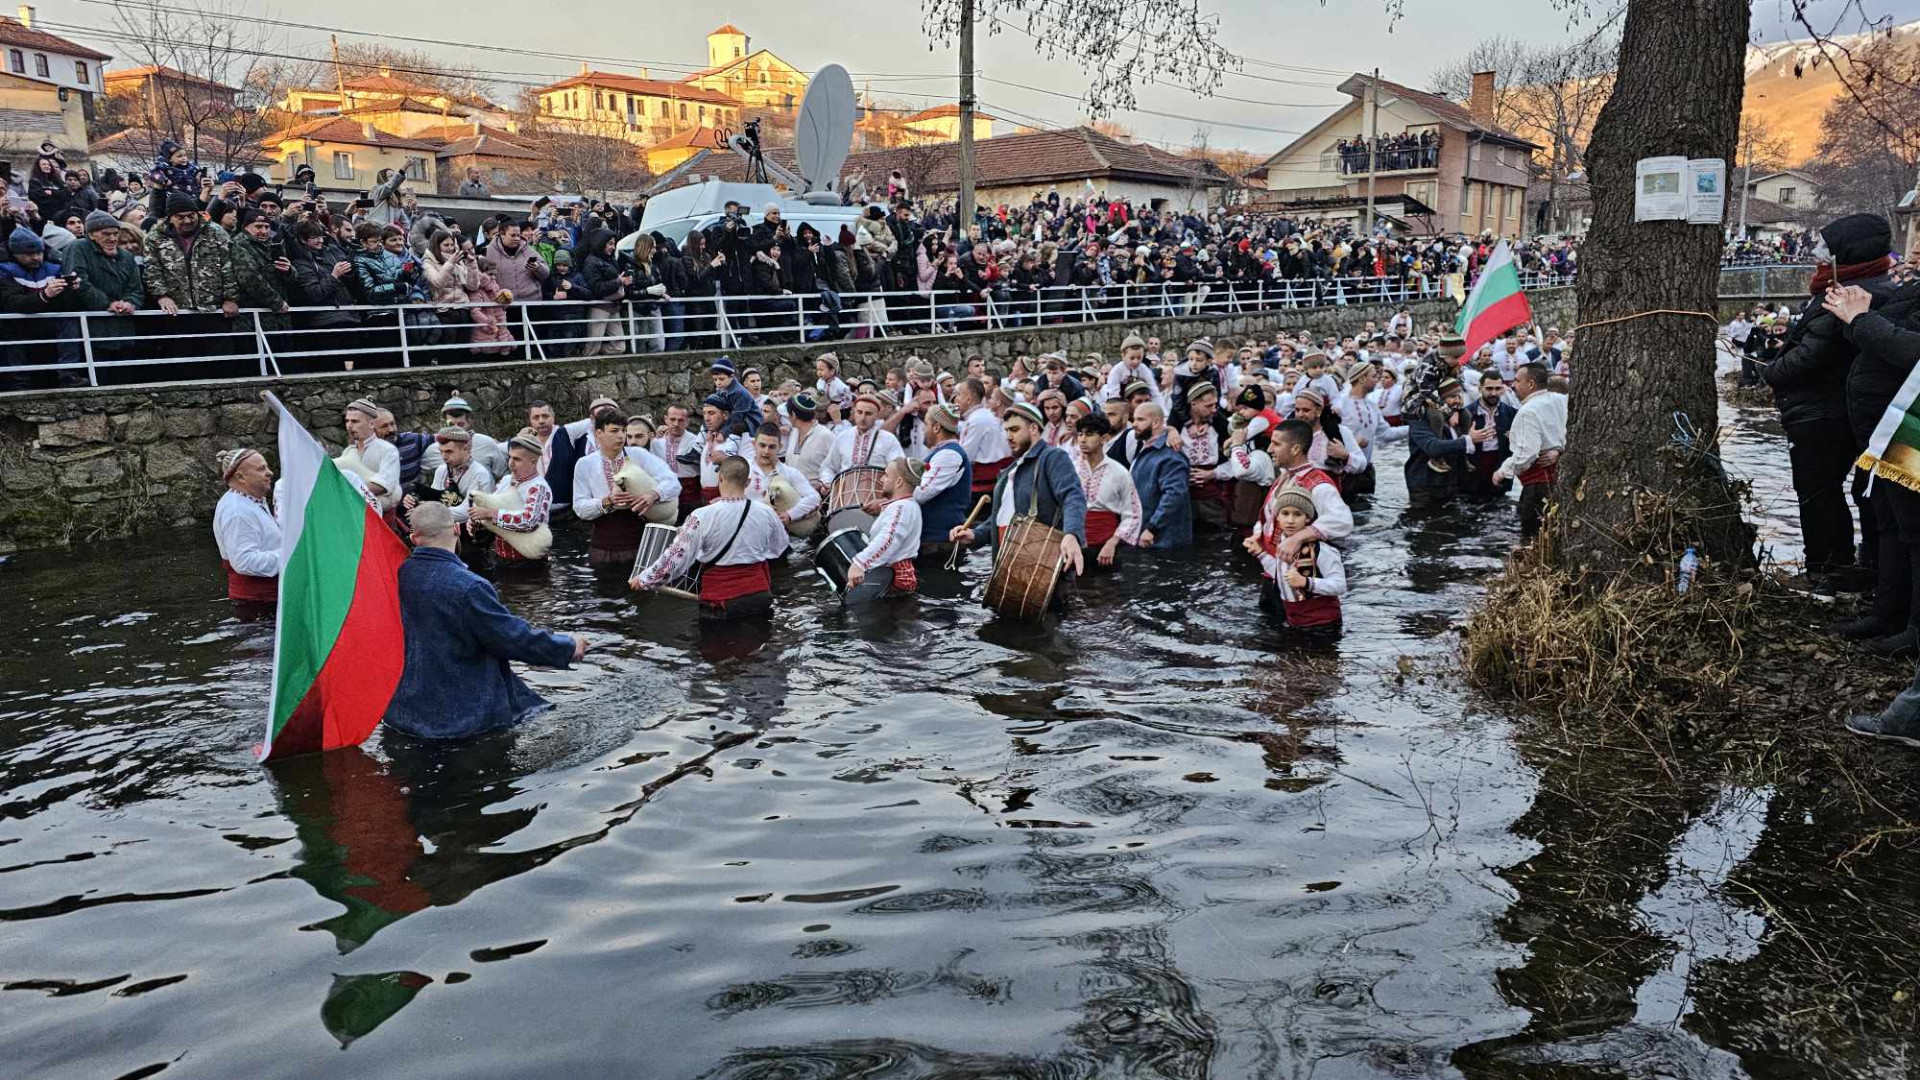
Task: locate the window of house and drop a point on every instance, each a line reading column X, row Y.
column 703, row 114
column 1472, row 205
column 599, row 101
column 1787, row 195
column 80, row 73
column 1329, row 161
column 736, row 52
column 17, row 61
column 764, row 80
column 663, row 108
column 631, row 118
column 40, row 65
column 683, row 110
column 342, row 165
column 416, row 168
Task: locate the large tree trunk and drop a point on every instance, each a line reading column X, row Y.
column 1624, row 493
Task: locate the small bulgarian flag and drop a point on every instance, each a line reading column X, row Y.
column 1496, row 304
column 1894, row 450
column 337, row 644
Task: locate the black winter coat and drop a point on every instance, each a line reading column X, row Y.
column 1810, row 379
column 1888, row 340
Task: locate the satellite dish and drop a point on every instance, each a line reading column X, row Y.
column 824, row 131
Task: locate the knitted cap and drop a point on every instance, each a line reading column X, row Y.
column 1200, row 390
column 528, row 443
column 1084, row 403
column 1133, row 341
column 23, row 242
column 1318, row 399
column 101, row 221
column 722, row 366
column 456, row 403
column 1297, row 497
column 1203, row 346
column 453, row 434
column 179, row 202
column 231, row 460
column 365, row 407
column 919, row 369
column 946, row 417
column 802, row 405
column 1027, row 410
column 1136, row 387
column 916, row 469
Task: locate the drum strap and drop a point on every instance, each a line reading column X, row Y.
column 745, row 509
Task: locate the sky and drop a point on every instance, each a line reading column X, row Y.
column 1315, row 44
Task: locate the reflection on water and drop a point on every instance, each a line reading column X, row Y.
column 1153, row 839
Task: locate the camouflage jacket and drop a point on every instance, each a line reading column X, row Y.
column 199, row 277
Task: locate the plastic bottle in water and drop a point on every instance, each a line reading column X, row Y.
column 1689, row 566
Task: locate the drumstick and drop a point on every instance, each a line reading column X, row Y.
column 953, row 557
column 682, row 593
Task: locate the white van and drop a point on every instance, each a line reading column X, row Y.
column 678, row 211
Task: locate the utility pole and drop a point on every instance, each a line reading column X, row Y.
column 1746, row 180
column 1373, row 143
column 339, row 80
column 965, row 213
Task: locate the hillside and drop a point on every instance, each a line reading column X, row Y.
column 1791, row 106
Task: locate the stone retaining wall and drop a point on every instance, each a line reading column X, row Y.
column 87, row 464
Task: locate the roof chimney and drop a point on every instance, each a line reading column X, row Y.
column 1480, row 103
column 26, row 16
column 645, row 74
column 367, row 130
column 584, row 69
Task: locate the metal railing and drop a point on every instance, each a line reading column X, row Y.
column 102, row 347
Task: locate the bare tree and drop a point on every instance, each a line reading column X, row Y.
column 1869, row 144
column 360, row 59
column 1508, row 59
column 214, row 101
column 589, row 157
column 1118, row 43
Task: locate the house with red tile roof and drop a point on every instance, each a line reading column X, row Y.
column 35, row 55
column 1474, row 180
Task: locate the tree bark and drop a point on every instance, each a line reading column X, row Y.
column 1625, row 492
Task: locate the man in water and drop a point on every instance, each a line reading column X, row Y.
column 459, row 638
column 1039, row 479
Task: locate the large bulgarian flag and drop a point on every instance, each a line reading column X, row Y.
column 337, row 645
column 1496, row 304
column 1894, row 450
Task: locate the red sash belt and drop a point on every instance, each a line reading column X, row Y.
column 719, row 584
column 505, row 553
column 1313, row 611
column 905, row 578
column 1541, row 474
column 1396, row 421
column 985, row 473
column 258, row 590
column 1101, row 525
column 691, row 494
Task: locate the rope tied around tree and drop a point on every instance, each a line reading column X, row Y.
column 1642, row 315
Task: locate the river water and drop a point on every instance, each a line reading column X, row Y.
column 1153, row 839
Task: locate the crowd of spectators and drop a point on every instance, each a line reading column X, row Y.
column 1387, row 153
column 206, row 247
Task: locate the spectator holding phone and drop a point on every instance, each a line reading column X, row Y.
column 31, row 285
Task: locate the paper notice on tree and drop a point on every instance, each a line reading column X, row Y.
column 1659, row 189
column 1706, row 191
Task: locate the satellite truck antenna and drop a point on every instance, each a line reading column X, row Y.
column 822, row 135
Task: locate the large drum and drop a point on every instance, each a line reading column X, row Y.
column 782, row 497
column 654, row 542
column 1026, row 568
column 639, row 483
column 852, row 489
column 834, row 557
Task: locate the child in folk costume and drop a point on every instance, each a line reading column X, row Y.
column 731, row 539
column 1053, row 405
column 1305, row 587
column 1113, row 504
column 523, row 474
column 1246, row 466
column 895, row 540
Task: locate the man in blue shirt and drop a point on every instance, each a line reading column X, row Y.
column 1160, row 475
column 459, row 638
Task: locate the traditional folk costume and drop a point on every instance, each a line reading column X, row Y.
column 616, row 530
column 727, row 446
column 986, row 445
column 945, row 492
column 807, row 452
column 1316, row 605
column 1057, row 432
column 887, row 560
column 537, row 507
column 249, row 539
column 1539, row 429
column 683, row 454
column 454, row 489
column 854, row 448
column 1485, row 461
column 1113, row 506
column 1204, row 444
column 760, row 489
column 1361, row 417
column 731, row 540
column 1249, row 473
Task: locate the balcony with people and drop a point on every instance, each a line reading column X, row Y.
column 1406, row 151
